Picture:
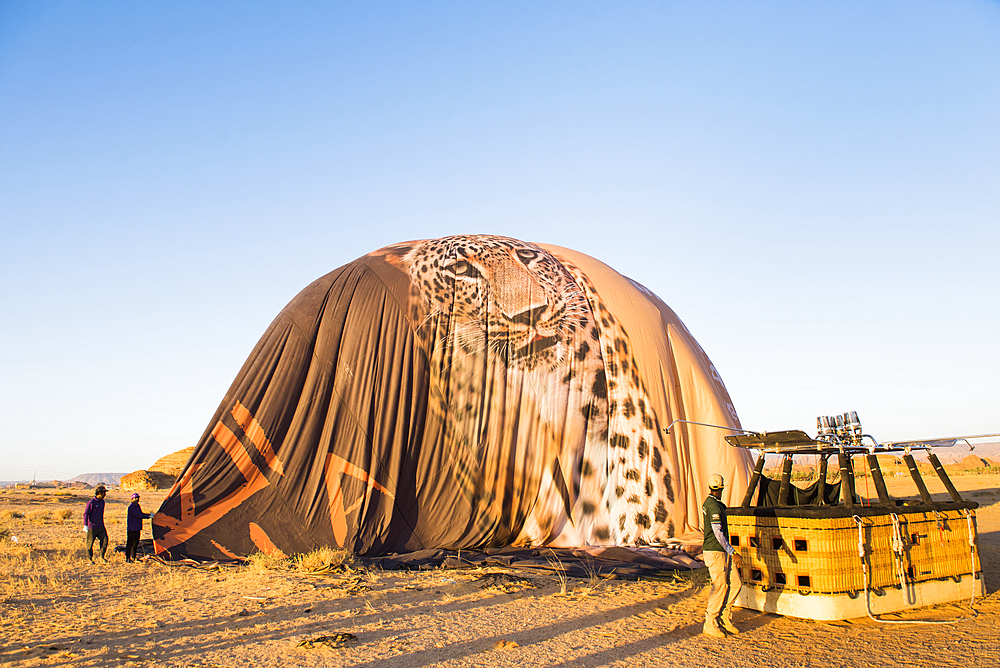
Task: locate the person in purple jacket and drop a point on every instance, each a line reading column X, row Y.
column 133, row 527
column 93, row 522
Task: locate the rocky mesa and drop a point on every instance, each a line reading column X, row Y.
column 161, row 475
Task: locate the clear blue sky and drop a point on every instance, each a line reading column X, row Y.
column 814, row 187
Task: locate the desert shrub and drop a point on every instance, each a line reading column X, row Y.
column 64, row 513
column 40, row 516
column 10, row 514
column 323, row 560
column 259, row 562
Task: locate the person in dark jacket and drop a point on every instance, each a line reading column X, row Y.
column 93, row 522
column 133, row 527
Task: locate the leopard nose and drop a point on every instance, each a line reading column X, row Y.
column 514, row 290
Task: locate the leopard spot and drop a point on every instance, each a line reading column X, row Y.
column 642, row 519
column 660, row 513
column 600, row 386
column 621, row 524
column 643, row 448
column 657, row 459
column 582, row 351
column 632, row 474
column 628, row 408
column 633, row 498
column 602, row 533
column 619, row 441
column 588, row 508
column 670, row 529
column 668, row 485
column 621, row 346
column 586, row 469
column 619, row 490
column 649, row 487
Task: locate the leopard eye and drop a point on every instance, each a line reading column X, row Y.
column 463, row 269
column 526, row 255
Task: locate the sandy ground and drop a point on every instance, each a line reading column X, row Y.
column 57, row 610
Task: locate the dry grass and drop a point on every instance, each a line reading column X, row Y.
column 26, row 570
column 557, row 566
column 258, row 562
column 39, row 516
column 593, row 582
column 324, row 560
column 320, row 561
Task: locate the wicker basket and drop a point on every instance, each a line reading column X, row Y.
column 809, row 554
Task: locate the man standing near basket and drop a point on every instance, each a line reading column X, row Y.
column 722, row 561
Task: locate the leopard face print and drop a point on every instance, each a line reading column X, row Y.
column 570, row 411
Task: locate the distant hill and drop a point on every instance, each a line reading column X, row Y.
column 94, row 478
column 954, row 455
